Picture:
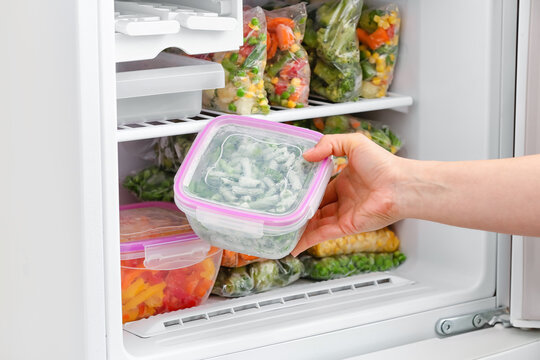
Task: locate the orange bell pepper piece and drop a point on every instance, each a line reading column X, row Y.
column 374, row 40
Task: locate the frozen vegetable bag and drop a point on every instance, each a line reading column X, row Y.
column 244, row 69
column 383, row 240
column 339, row 266
column 286, row 77
column 245, row 186
column 378, row 33
column 164, row 265
column 331, row 39
column 235, row 259
column 258, row 277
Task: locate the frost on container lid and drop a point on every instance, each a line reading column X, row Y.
column 148, row 220
column 161, row 234
column 253, row 169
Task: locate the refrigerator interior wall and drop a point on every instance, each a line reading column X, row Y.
column 457, row 86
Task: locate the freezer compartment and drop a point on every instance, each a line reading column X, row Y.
column 143, row 29
column 167, row 87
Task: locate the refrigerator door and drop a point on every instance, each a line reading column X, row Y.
column 497, row 343
column 525, row 288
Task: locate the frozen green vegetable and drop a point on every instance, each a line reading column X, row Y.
column 257, row 277
column 151, row 184
column 170, row 151
column 338, row 266
column 249, row 173
column 335, row 59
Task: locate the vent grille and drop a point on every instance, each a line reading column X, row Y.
column 295, row 295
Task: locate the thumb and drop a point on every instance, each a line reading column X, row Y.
column 337, row 145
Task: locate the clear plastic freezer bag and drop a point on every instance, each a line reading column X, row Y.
column 234, row 259
column 333, row 46
column 378, row 35
column 151, row 184
column 257, row 277
column 382, row 240
column 244, row 91
column 339, row 266
column 287, row 73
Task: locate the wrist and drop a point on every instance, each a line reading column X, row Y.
column 414, row 183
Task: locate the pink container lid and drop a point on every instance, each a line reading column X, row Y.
column 277, row 220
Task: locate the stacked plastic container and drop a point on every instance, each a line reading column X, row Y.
column 244, row 185
column 164, row 265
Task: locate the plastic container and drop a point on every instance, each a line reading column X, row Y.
column 166, row 87
column 245, row 186
column 164, row 265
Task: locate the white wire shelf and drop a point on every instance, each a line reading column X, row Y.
column 317, row 108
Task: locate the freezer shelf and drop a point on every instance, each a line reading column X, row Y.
column 317, row 108
column 218, row 309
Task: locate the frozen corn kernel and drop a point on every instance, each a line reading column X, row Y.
column 392, row 57
column 249, row 94
column 274, row 80
column 298, row 35
column 381, row 93
column 375, row 55
column 252, row 88
column 295, row 47
column 371, row 60
column 380, row 68
column 291, row 104
column 263, row 102
column 381, row 60
column 253, row 27
column 296, row 82
column 385, row 77
column 260, row 85
column 376, row 80
column 377, row 18
column 385, row 25
column 392, row 20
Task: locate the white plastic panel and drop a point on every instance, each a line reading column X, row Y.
column 525, row 290
column 317, row 107
column 143, row 29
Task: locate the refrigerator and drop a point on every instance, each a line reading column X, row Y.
column 466, row 87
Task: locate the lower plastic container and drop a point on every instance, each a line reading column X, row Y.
column 244, row 185
column 161, row 272
column 166, row 87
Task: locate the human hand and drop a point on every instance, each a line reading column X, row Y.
column 361, row 198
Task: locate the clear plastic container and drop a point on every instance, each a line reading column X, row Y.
column 245, row 186
column 164, row 265
column 166, row 87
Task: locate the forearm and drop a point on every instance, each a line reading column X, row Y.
column 494, row 195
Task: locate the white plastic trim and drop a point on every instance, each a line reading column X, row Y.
column 316, row 108
column 224, row 309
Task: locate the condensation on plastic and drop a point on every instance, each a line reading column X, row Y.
column 150, row 220
column 257, row 277
column 383, row 240
column 234, row 259
column 169, row 152
column 287, row 73
column 244, row 92
column 333, row 45
column 147, row 292
column 378, row 64
column 339, row 266
column 262, row 233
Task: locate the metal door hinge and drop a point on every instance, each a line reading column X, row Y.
column 478, row 320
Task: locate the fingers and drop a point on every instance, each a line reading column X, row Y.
column 330, row 195
column 337, row 145
column 315, row 236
